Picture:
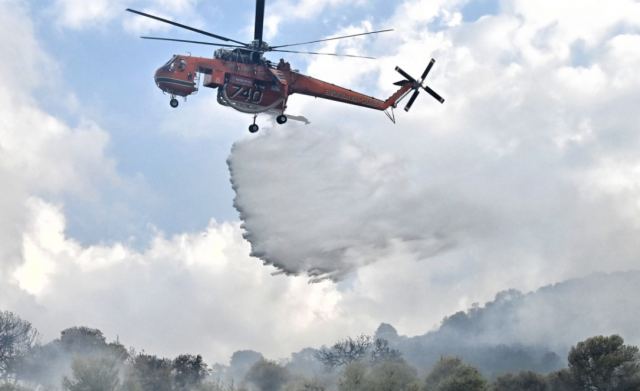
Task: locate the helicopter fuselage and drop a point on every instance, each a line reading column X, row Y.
column 256, row 87
column 249, row 83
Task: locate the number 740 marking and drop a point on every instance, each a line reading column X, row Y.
column 252, row 95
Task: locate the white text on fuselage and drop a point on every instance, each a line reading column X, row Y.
column 252, row 95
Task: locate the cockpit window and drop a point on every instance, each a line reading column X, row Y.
column 170, row 65
column 182, row 64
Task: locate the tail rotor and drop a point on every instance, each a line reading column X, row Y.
column 417, row 85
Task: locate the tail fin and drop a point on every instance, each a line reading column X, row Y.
column 393, row 100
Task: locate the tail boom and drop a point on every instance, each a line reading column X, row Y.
column 307, row 85
column 310, row 86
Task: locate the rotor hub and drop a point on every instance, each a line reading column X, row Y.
column 260, row 45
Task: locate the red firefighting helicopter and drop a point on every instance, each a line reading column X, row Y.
column 249, row 83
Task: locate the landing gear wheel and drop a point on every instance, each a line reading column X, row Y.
column 173, row 103
column 253, row 128
column 281, row 119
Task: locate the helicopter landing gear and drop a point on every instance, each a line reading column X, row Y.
column 173, row 103
column 253, row 128
column 281, row 119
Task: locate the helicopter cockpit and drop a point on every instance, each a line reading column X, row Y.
column 177, row 77
column 175, row 63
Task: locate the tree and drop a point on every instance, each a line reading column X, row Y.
column 188, row 371
column 267, row 375
column 605, row 363
column 149, row 373
column 451, row 374
column 523, row 381
column 93, row 374
column 345, row 352
column 392, row 376
column 561, row 381
column 241, row 362
column 82, row 340
column 17, row 337
column 353, row 378
column 302, row 384
column 44, row 363
column 381, row 352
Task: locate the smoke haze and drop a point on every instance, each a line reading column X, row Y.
column 529, row 331
column 514, row 332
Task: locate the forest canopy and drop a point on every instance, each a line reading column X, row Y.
column 82, row 359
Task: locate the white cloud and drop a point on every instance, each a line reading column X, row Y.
column 201, row 292
column 39, row 154
column 287, row 10
column 505, row 185
column 78, row 14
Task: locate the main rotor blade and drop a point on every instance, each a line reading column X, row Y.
column 434, row 94
column 426, row 71
column 406, row 75
column 198, row 42
column 212, row 35
column 257, row 31
column 412, row 99
column 332, row 39
column 325, row 54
